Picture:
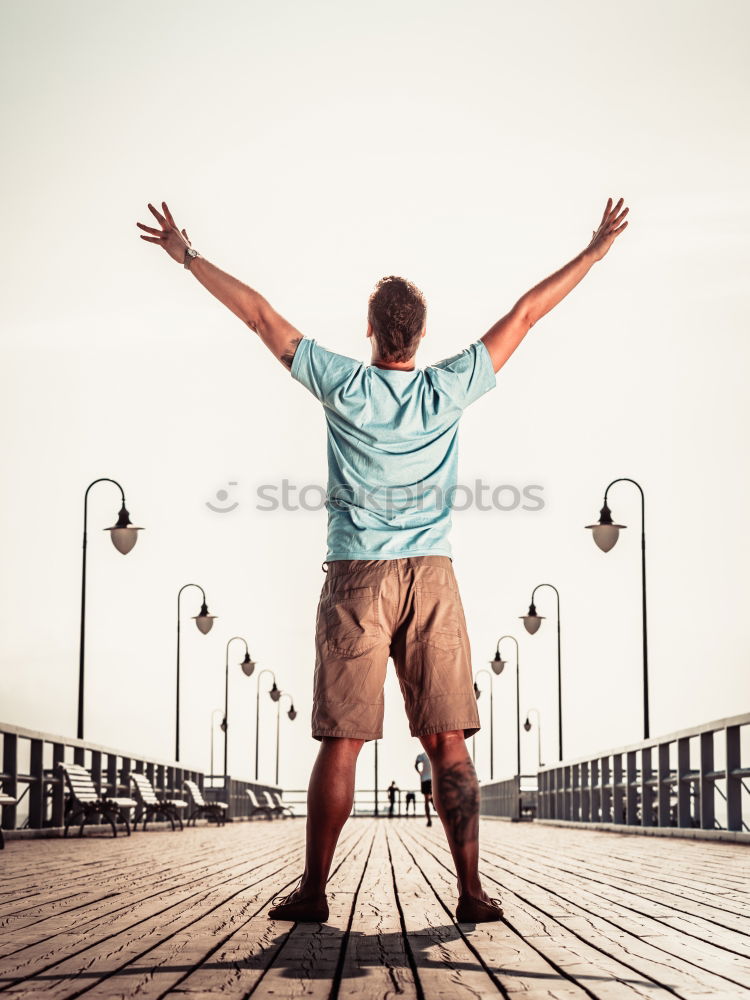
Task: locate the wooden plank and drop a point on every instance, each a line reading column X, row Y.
column 307, row 962
column 728, row 928
column 664, row 959
column 241, row 961
column 446, row 965
column 530, row 954
column 376, row 963
column 122, row 902
column 104, row 940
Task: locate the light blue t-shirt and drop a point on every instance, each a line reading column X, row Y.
column 392, row 448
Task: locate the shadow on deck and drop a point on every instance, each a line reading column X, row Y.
column 161, row 914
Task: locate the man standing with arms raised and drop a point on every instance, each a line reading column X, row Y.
column 390, row 590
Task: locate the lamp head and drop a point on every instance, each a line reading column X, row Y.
column 224, row 725
column 204, row 620
column 497, row 663
column 532, row 620
column 274, row 692
column 292, row 713
column 124, row 535
column 527, row 724
column 477, row 692
column 248, row 665
column 605, row 532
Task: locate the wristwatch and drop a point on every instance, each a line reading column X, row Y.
column 190, row 256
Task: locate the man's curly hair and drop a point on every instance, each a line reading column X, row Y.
column 397, row 311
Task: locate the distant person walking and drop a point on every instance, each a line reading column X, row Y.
column 393, row 790
column 390, row 589
column 423, row 768
column 411, row 804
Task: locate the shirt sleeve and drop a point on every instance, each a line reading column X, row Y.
column 468, row 375
column 322, row 372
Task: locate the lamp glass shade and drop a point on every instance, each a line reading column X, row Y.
column 477, row 691
column 605, row 535
column 274, row 692
column 204, row 622
column 124, row 538
column 248, row 665
column 532, row 622
column 527, row 725
column 497, row 663
column 292, row 713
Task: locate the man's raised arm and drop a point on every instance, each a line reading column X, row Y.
column 503, row 338
column 279, row 336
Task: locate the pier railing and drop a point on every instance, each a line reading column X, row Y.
column 514, row 798
column 693, row 778
column 29, row 772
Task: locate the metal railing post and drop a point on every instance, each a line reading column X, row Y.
column 706, row 781
column 605, row 791
column 734, row 781
column 664, row 785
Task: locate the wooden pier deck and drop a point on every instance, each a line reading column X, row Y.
column 183, row 915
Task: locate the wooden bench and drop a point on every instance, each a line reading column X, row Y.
column 257, row 807
column 150, row 805
column 83, row 800
column 279, row 808
column 216, row 811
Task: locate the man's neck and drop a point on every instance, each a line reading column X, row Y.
column 399, row 366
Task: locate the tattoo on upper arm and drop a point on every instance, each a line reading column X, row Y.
column 288, row 356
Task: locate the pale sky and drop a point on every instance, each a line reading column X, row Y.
column 311, row 149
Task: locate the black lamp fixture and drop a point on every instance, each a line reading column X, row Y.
column 248, row 666
column 204, row 622
column 477, row 693
column 497, row 663
column 531, row 622
column 605, row 534
column 124, row 535
column 292, row 714
column 527, row 726
column 274, row 693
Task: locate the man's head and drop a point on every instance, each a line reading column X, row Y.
column 396, row 317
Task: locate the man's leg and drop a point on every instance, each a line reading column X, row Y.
column 427, row 797
column 455, row 792
column 330, row 795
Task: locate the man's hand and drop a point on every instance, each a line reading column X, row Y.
column 608, row 231
column 174, row 240
column 503, row 338
column 279, row 336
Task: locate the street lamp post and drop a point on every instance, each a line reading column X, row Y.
column 292, row 714
column 215, row 712
column 124, row 535
column 527, row 726
column 376, row 777
column 275, row 695
column 248, row 666
column 531, row 622
column 605, row 535
column 204, row 622
column 477, row 692
column 497, row 664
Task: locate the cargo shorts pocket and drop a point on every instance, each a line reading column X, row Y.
column 439, row 621
column 351, row 620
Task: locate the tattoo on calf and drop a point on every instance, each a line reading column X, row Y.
column 457, row 787
column 288, row 356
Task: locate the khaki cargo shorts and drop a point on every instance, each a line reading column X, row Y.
column 408, row 609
